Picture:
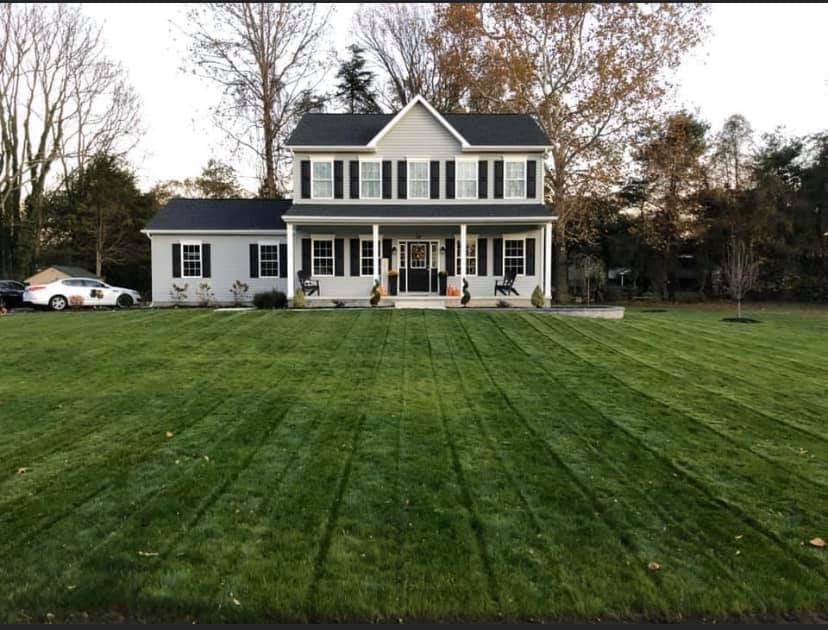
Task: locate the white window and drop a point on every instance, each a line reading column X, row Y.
column 418, row 184
column 191, row 260
column 514, row 179
column 471, row 256
column 322, row 179
column 323, row 257
column 370, row 179
column 466, row 179
column 366, row 257
column 268, row 260
column 514, row 255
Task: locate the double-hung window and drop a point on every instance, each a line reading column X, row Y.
column 471, row 256
column 514, row 255
column 268, row 260
column 366, row 257
column 514, row 179
column 322, row 179
column 418, row 179
column 466, row 179
column 370, row 179
column 323, row 257
column 191, row 260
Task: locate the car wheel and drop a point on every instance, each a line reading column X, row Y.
column 58, row 303
column 124, row 301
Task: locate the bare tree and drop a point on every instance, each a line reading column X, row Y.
column 265, row 58
column 741, row 269
column 61, row 100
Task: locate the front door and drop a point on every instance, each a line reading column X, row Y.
column 418, row 267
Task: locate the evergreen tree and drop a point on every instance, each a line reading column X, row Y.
column 355, row 89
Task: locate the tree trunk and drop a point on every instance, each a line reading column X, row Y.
column 561, row 279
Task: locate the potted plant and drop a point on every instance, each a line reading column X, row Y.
column 442, row 279
column 393, row 277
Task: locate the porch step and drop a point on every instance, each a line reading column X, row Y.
column 436, row 304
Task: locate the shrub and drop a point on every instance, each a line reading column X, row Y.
column 537, row 297
column 270, row 299
column 298, row 298
column 376, row 293
column 338, row 303
column 178, row 294
column 466, row 295
column 239, row 291
column 503, row 304
column 205, row 294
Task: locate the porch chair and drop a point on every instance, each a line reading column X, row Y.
column 506, row 286
column 309, row 287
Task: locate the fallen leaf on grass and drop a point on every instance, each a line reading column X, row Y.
column 739, row 537
column 169, row 434
column 817, row 542
column 236, row 602
column 147, row 553
column 22, row 471
column 653, row 566
column 206, row 459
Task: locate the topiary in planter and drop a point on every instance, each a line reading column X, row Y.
column 537, row 297
column 466, row 295
column 375, row 293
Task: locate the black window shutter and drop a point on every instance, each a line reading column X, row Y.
column 306, row 178
column 386, row 250
column 353, row 166
column 338, row 177
column 283, row 261
column 306, row 256
column 498, row 175
column 529, row 269
column 386, row 179
column 482, row 179
column 531, row 179
column 482, row 256
column 176, row 254
column 355, row 246
column 450, row 179
column 498, row 256
column 339, row 256
column 402, row 179
column 449, row 256
column 254, row 260
column 205, row 260
column 435, row 179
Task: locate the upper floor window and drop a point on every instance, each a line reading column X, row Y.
column 370, row 178
column 322, row 179
column 268, row 260
column 466, row 179
column 514, row 179
column 418, row 183
column 191, row 260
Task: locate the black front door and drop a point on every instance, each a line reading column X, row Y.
column 418, row 267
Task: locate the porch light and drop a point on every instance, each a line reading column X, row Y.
column 442, row 249
column 393, row 250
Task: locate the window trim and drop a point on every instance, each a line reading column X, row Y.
column 278, row 260
column 507, row 160
column 321, row 160
column 314, row 239
column 200, row 259
column 514, row 237
column 457, row 180
column 409, row 179
column 377, row 161
column 469, row 239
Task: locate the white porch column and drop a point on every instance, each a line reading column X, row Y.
column 462, row 251
column 376, row 251
column 547, row 263
column 290, row 261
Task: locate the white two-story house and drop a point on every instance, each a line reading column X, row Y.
column 417, row 200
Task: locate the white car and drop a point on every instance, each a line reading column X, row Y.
column 61, row 294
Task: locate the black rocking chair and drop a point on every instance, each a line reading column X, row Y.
column 309, row 287
column 506, row 286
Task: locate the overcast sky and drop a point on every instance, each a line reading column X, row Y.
column 768, row 62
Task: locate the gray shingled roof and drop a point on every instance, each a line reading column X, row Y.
column 419, row 211
column 221, row 214
column 358, row 129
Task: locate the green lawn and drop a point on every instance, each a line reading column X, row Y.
column 416, row 465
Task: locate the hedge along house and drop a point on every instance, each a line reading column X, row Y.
column 409, row 193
